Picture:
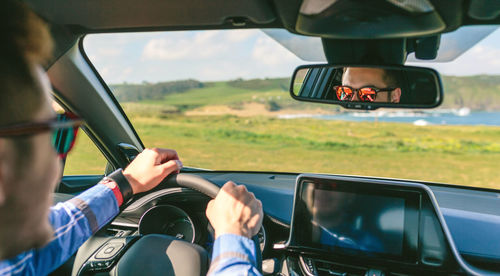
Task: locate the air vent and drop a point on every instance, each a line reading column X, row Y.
column 322, row 267
column 327, row 268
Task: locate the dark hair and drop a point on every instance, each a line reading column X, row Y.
column 26, row 43
column 391, row 78
column 24, row 32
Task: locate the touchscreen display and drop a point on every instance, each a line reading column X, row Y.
column 346, row 221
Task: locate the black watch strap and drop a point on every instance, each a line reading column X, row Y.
column 123, row 184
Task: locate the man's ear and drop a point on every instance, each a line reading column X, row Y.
column 2, row 176
column 396, row 95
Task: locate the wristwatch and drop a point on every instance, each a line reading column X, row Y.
column 123, row 184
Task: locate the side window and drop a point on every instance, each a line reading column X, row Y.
column 85, row 158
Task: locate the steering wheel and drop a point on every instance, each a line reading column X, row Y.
column 160, row 254
column 208, row 188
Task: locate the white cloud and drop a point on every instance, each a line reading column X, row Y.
column 109, row 52
column 241, row 35
column 162, row 48
column 206, row 37
column 269, row 52
column 128, row 70
column 110, row 45
column 486, row 55
column 105, row 72
column 174, row 47
column 223, row 71
column 478, row 60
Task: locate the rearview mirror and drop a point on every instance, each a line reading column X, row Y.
column 368, row 86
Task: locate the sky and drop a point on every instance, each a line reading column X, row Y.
column 231, row 54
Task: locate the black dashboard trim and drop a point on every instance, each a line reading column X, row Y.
column 428, row 183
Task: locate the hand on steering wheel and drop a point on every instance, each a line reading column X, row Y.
column 208, row 188
column 235, row 211
column 150, row 167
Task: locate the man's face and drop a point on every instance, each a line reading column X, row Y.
column 357, row 77
column 27, row 181
column 43, row 151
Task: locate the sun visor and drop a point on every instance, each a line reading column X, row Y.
column 98, row 16
column 456, row 43
column 451, row 46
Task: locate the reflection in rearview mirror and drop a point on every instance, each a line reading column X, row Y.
column 368, row 87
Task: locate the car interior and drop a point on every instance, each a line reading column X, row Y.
column 396, row 227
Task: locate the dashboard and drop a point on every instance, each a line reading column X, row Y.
column 386, row 226
column 392, row 227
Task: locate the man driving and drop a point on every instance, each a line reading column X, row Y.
column 363, row 84
column 36, row 238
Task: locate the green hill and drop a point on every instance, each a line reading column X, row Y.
column 480, row 92
column 152, row 91
column 261, row 84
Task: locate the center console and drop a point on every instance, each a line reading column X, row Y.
column 357, row 226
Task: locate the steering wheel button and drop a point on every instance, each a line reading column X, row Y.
column 109, row 250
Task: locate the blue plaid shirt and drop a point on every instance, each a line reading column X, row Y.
column 75, row 220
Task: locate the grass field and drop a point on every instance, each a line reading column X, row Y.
column 463, row 155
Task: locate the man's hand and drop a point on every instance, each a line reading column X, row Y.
column 150, row 167
column 235, row 211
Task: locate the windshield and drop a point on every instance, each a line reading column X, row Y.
column 220, row 98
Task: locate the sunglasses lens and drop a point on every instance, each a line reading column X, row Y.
column 367, row 94
column 344, row 93
column 63, row 139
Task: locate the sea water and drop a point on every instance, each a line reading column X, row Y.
column 417, row 118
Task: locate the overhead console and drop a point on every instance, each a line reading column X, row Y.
column 384, row 19
column 352, row 226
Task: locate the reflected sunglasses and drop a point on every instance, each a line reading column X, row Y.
column 365, row 94
column 64, row 129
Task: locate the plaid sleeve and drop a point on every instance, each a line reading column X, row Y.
column 73, row 221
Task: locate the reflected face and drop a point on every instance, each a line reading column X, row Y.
column 327, row 202
column 358, row 77
column 330, row 207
